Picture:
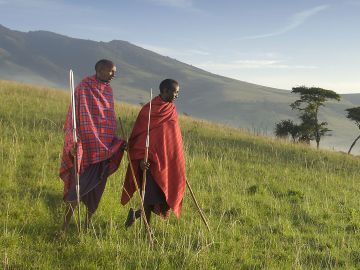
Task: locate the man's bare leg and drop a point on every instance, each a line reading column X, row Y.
column 88, row 219
column 68, row 214
column 148, row 209
column 133, row 215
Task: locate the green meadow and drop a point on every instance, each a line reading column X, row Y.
column 270, row 204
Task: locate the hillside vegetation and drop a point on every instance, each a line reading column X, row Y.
column 270, row 204
column 45, row 58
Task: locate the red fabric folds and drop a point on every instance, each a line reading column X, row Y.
column 166, row 156
column 96, row 130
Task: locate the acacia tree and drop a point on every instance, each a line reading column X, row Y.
column 354, row 115
column 311, row 99
column 287, row 127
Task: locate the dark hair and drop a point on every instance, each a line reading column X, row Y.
column 102, row 64
column 169, row 84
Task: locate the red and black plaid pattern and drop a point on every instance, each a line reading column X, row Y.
column 96, row 129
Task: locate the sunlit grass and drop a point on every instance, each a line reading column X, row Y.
column 270, row 204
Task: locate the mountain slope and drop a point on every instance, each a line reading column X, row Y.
column 270, row 204
column 44, row 58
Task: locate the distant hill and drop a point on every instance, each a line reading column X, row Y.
column 43, row 57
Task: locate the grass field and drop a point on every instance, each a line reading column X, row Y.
column 270, row 204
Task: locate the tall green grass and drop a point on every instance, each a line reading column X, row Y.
column 270, row 204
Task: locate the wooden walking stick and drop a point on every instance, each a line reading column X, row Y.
column 197, row 205
column 147, row 226
column 73, row 102
column 146, row 149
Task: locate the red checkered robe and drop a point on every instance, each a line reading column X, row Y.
column 96, row 130
column 166, row 156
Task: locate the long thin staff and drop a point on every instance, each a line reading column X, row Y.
column 197, row 205
column 147, row 226
column 72, row 90
column 146, row 150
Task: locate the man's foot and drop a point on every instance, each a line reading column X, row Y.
column 130, row 218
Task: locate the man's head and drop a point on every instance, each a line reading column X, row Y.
column 169, row 90
column 105, row 70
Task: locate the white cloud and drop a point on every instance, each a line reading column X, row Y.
column 198, row 52
column 250, row 64
column 185, row 5
column 174, row 3
column 296, row 20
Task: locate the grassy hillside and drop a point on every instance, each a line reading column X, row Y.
column 270, row 204
column 45, row 58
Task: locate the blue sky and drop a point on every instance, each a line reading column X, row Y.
column 275, row 43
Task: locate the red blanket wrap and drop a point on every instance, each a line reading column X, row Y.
column 96, row 130
column 166, row 156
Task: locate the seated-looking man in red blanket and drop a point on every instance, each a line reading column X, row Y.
column 99, row 150
column 165, row 179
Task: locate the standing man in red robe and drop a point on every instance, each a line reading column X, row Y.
column 99, row 150
column 165, row 178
